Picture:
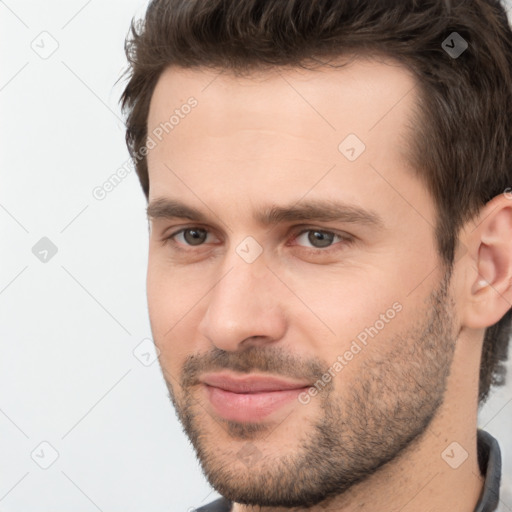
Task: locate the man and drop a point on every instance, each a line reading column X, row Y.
column 330, row 259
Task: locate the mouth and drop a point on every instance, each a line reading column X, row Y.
column 249, row 398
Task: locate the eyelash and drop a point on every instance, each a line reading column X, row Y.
column 346, row 239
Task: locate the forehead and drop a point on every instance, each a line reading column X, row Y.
column 282, row 110
column 348, row 86
column 280, row 130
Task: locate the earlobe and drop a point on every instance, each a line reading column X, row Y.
column 490, row 278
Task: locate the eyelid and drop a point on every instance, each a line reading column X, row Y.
column 169, row 237
column 344, row 237
column 296, row 232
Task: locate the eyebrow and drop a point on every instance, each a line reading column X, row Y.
column 312, row 210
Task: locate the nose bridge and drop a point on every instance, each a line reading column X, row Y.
column 244, row 303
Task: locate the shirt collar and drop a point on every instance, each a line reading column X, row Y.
column 489, row 460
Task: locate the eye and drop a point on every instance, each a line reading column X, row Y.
column 316, row 240
column 192, row 236
column 320, row 239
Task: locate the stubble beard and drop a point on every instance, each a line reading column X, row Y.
column 374, row 418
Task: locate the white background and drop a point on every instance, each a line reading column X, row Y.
column 70, row 327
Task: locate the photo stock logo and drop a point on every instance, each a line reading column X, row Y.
column 356, row 346
column 249, row 249
column 454, row 45
column 45, row 45
column 44, row 455
column 146, row 352
column 44, row 250
column 351, row 147
column 100, row 192
column 454, row 455
column 249, row 454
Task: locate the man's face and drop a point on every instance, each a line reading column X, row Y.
column 355, row 302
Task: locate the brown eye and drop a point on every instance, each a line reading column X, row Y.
column 317, row 239
column 320, row 238
column 194, row 236
column 190, row 237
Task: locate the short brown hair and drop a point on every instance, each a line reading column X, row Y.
column 462, row 148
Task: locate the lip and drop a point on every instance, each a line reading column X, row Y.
column 251, row 383
column 250, row 398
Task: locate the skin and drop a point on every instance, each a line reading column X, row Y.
column 373, row 439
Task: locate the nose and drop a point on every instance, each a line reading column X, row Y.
column 244, row 307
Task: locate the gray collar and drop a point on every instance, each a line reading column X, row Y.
column 489, row 460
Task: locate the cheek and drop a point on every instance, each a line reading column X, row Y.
column 343, row 301
column 166, row 304
column 159, row 300
column 168, row 292
column 176, row 302
column 354, row 313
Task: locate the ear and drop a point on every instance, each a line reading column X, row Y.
column 488, row 280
